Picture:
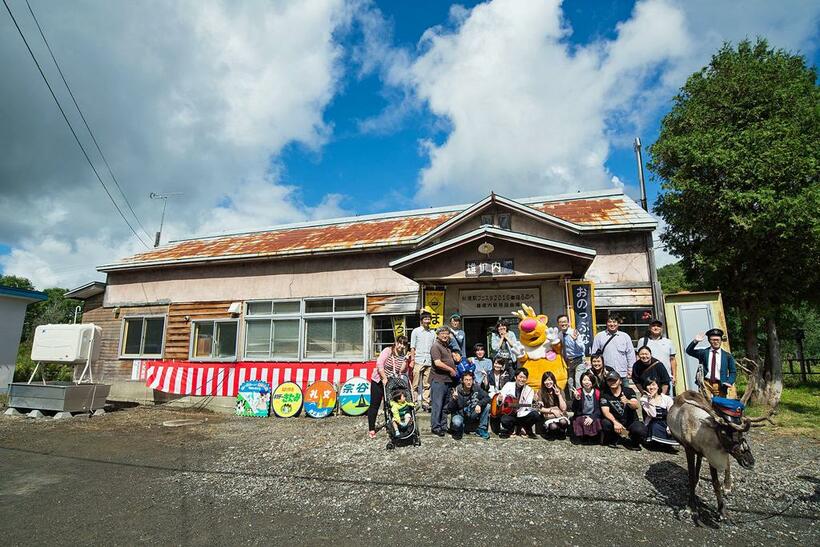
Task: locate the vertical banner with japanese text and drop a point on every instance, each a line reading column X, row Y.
column 434, row 303
column 582, row 310
column 399, row 326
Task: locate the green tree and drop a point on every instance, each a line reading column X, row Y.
column 673, row 279
column 16, row 282
column 738, row 158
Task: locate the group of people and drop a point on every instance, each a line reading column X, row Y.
column 617, row 397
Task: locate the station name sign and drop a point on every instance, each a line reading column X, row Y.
column 477, row 268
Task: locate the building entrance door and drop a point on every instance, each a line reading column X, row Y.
column 478, row 330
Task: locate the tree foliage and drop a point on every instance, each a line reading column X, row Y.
column 738, row 159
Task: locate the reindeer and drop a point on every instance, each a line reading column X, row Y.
column 703, row 432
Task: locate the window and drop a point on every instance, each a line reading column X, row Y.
column 142, row 336
column 272, row 329
column 504, row 221
column 383, row 331
column 214, row 340
column 339, row 332
column 487, row 220
column 634, row 321
column 328, row 328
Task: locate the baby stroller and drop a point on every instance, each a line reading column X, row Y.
column 396, row 385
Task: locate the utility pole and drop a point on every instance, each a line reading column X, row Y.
column 164, row 197
column 657, row 293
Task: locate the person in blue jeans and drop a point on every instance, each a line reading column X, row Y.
column 469, row 408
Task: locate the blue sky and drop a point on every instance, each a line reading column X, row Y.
column 362, row 164
column 267, row 113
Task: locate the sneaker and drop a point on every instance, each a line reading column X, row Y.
column 635, row 447
column 483, row 434
column 504, row 434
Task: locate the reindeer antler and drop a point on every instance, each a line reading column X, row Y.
column 749, row 366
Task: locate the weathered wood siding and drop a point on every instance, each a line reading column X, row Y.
column 110, row 368
column 178, row 330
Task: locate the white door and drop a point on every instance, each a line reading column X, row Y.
column 692, row 319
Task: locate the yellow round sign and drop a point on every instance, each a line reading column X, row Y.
column 287, row 400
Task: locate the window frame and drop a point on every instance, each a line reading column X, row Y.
column 192, row 341
column 601, row 319
column 333, row 315
column 410, row 323
column 271, row 318
column 302, row 317
column 142, row 355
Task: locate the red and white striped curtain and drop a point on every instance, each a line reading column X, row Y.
column 224, row 379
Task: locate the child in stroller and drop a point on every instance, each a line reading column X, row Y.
column 400, row 413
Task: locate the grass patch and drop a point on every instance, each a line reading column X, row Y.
column 799, row 410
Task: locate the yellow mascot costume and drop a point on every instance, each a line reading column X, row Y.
column 541, row 348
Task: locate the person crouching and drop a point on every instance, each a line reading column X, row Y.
column 469, row 408
column 525, row 417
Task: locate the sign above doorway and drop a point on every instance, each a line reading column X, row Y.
column 497, row 301
column 489, row 267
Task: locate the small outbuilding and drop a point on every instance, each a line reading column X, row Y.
column 13, row 304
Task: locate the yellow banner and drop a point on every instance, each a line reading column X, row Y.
column 434, row 303
column 399, row 326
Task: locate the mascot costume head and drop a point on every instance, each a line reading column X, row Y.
column 542, row 347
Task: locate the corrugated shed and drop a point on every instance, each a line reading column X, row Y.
column 395, row 230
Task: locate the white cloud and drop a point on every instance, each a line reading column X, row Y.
column 192, row 97
column 531, row 114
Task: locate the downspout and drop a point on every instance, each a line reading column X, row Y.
column 657, row 293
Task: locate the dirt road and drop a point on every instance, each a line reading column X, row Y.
column 124, row 478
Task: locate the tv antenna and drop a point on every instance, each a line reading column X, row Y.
column 164, row 197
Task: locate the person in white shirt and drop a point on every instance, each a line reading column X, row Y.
column 421, row 340
column 523, row 418
column 617, row 349
column 662, row 349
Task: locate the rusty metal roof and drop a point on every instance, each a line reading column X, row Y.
column 587, row 212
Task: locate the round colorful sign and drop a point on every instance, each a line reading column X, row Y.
column 320, row 399
column 253, row 399
column 354, row 397
column 287, row 400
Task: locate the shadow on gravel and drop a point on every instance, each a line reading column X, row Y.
column 672, row 488
column 671, row 482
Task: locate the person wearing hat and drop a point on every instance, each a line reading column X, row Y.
column 717, row 367
column 441, row 379
column 662, row 349
column 619, row 407
column 457, row 339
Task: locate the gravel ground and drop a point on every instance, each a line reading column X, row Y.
column 125, row 478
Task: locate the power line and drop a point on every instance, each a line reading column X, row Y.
column 93, row 138
column 73, row 132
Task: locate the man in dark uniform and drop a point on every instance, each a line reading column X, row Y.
column 717, row 366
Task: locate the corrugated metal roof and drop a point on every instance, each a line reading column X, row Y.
column 601, row 211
